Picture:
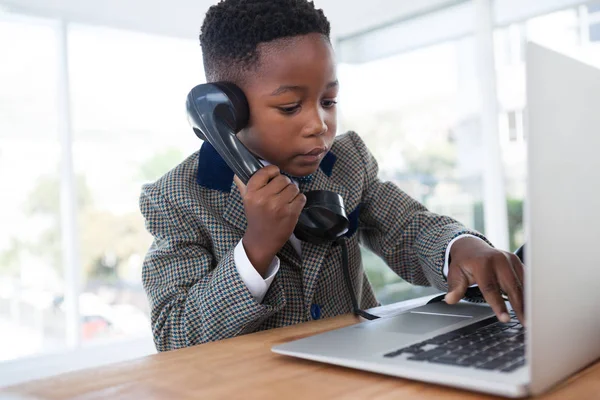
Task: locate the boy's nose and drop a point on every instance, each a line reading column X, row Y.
column 316, row 125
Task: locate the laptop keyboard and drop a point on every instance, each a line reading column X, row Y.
column 487, row 345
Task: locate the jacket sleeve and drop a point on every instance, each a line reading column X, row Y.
column 409, row 238
column 194, row 298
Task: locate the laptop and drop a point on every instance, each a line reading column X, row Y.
column 464, row 345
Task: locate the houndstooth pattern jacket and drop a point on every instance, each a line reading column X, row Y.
column 196, row 216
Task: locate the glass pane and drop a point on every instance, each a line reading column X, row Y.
column 31, row 271
column 419, row 126
column 559, row 31
column 130, row 127
column 595, row 32
column 594, row 8
column 512, row 126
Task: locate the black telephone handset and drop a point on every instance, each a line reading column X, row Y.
column 217, row 112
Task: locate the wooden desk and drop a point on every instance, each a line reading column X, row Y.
column 245, row 367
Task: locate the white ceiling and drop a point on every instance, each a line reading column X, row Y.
column 183, row 18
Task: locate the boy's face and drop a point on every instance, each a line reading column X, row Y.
column 292, row 94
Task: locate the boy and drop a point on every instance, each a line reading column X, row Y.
column 225, row 262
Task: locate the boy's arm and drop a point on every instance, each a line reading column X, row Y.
column 412, row 240
column 193, row 298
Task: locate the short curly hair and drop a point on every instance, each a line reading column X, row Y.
column 233, row 29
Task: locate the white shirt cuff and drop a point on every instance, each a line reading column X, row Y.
column 446, row 262
column 256, row 284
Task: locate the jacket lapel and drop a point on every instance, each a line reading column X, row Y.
column 234, row 211
column 290, row 256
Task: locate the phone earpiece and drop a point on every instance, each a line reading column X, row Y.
column 236, row 112
column 227, row 102
column 217, row 112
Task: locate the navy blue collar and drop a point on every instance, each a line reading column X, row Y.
column 214, row 173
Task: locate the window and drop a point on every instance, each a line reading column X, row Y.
column 594, row 8
column 509, row 45
column 129, row 127
column 558, row 30
column 409, row 110
column 128, row 96
column 31, row 270
column 595, row 32
column 593, row 18
column 561, row 32
column 512, row 126
column 515, row 126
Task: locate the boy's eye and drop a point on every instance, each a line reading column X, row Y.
column 329, row 103
column 289, row 109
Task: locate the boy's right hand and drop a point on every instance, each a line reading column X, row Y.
column 273, row 204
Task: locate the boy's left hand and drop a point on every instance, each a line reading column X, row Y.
column 473, row 261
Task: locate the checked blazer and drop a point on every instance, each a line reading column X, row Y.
column 196, row 215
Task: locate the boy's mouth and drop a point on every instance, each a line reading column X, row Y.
column 317, row 151
column 314, row 156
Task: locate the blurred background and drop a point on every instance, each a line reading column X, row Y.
column 92, row 106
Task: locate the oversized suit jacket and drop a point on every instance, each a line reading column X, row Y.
column 196, row 216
